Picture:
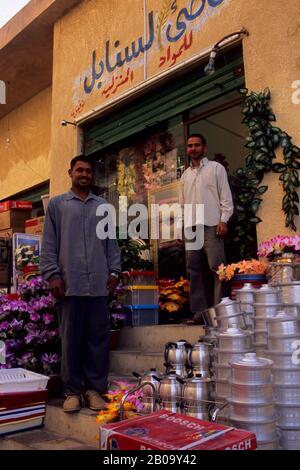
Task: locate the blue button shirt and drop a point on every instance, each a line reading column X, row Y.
column 71, row 249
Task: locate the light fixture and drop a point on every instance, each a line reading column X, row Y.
column 210, row 67
column 65, row 123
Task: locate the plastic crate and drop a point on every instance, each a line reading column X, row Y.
column 141, row 295
column 142, row 278
column 21, row 380
column 142, row 315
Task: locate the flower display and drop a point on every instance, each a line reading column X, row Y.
column 278, row 245
column 132, row 405
column 253, row 266
column 174, row 296
column 29, row 329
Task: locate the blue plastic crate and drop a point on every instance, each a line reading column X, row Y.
column 142, row 315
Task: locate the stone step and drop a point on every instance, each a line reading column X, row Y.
column 124, row 362
column 43, row 439
column 80, row 425
column 154, row 338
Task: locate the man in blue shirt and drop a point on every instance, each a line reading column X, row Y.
column 81, row 269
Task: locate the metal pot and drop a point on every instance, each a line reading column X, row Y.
column 235, row 339
column 261, row 349
column 263, row 310
column 288, row 394
column 179, row 369
column 238, row 320
column 222, row 371
column 223, row 388
column 283, row 360
column 176, row 353
column 225, row 357
column 195, row 412
column 283, row 324
column 286, row 376
column 245, row 296
column 290, row 293
column 267, row 295
column 210, row 335
column 245, row 393
column 151, row 377
column 170, row 388
column 260, row 323
column 172, row 406
column 206, row 374
column 290, row 434
column 199, row 356
column 282, row 343
column 268, row 445
column 227, row 307
column 252, row 412
column 210, row 318
column 265, row 431
column 251, row 370
column 289, row 445
column 288, row 416
column 197, row 389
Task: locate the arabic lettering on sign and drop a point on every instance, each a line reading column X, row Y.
column 118, row 81
column 172, row 59
column 116, row 58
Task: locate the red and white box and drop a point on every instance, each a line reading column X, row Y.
column 22, row 411
column 8, row 205
column 165, row 430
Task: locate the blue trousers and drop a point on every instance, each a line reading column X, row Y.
column 85, row 333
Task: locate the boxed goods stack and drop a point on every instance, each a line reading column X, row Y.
column 141, row 300
column 35, row 226
column 13, row 215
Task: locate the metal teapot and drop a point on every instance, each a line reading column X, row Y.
column 150, row 377
column 176, row 353
column 199, row 355
column 170, row 387
column 197, row 389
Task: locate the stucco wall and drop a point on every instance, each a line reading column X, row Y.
column 271, row 57
column 25, row 145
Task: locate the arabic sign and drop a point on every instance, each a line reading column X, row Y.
column 172, row 25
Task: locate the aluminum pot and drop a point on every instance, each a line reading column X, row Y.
column 283, row 360
column 287, row 394
column 260, row 336
column 288, row 416
column 206, row 374
column 235, row 339
column 245, row 296
column 223, row 388
column 262, row 310
column 251, row 370
column 290, row 434
column 233, row 321
column 197, row 389
column 286, row 376
column 225, row 357
column 260, row 323
column 268, row 445
column 283, row 324
column 290, row 293
column 196, row 412
column 180, row 370
column 210, row 335
column 227, row 307
column 289, row 445
column 172, row 406
column 265, row 430
column 245, row 393
column 261, row 349
column 170, row 387
column 254, row 412
column 282, row 343
column 267, row 294
column 222, row 371
column 176, row 353
column 209, row 317
column 152, row 377
column 200, row 355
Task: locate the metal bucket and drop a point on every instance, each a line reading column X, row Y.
column 254, row 394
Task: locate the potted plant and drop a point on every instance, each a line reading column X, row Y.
column 280, row 247
column 246, row 271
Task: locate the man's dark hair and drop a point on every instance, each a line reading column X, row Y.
column 82, row 158
column 199, row 136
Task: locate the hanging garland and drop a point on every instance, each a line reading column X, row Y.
column 263, row 141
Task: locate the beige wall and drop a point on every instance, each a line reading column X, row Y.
column 271, row 56
column 25, row 145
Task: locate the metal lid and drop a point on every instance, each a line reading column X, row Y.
column 281, row 316
column 234, row 332
column 251, row 360
column 266, row 289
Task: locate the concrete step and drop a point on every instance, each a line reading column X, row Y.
column 154, row 338
column 80, row 425
column 43, row 439
column 124, row 362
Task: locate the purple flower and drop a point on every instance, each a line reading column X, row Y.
column 17, row 324
column 52, row 333
column 13, row 344
column 35, row 316
column 4, row 326
column 48, row 318
column 50, row 358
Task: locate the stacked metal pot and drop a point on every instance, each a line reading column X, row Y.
column 252, row 402
column 232, row 344
column 245, row 296
column 290, row 296
column 187, row 360
column 266, row 304
column 224, row 315
column 283, row 342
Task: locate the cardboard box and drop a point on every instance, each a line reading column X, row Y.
column 13, row 218
column 21, row 411
column 35, row 226
column 20, row 205
column 8, row 232
column 165, row 430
